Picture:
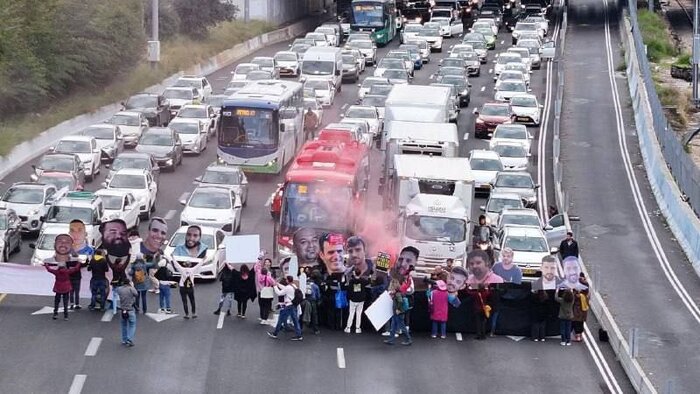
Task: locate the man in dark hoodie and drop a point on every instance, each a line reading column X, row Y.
column 228, row 278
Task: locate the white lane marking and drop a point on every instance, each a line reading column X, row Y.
column 466, row 136
column 77, row 386
column 600, row 361
column 93, row 346
column 490, row 70
column 269, row 201
column 516, row 338
column 634, row 184
column 47, row 310
column 502, row 42
column 483, row 88
column 107, row 316
column 171, row 214
column 159, row 317
column 220, row 322
column 340, row 355
column 459, row 336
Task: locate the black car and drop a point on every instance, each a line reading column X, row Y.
column 155, row 107
column 164, row 144
column 10, row 233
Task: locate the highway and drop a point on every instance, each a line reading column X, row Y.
column 195, row 356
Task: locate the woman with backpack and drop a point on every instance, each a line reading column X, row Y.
column 438, row 299
column 581, row 307
column 243, row 289
column 142, row 281
column 267, row 294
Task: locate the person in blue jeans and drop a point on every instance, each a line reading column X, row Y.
column 398, row 322
column 565, row 298
column 127, row 297
column 286, row 288
column 98, row 282
column 164, row 277
column 141, row 280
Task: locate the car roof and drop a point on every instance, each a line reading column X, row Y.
column 504, row 195
column 112, row 192
column 159, row 130
column 211, row 189
column 66, row 155
column 514, row 174
column 200, row 106
column 512, row 126
column 484, row 154
column 132, row 171
column 205, row 230
column 193, row 77
column 527, row 231
column 223, row 168
column 85, row 138
column 179, row 120
column 31, row 185
column 520, row 211
column 496, row 104
column 134, row 154
column 190, row 88
column 532, row 96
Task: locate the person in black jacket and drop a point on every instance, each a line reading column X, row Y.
column 539, row 313
column 98, row 282
column 244, row 289
column 227, row 278
column 357, row 295
column 569, row 246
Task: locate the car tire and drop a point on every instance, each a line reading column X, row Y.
column 238, row 227
column 19, row 247
column 138, row 222
column 88, row 178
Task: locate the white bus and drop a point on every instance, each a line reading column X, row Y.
column 262, row 126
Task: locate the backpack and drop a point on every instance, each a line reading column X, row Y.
column 405, row 305
column 139, row 276
column 298, row 297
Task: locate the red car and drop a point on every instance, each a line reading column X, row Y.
column 490, row 116
column 60, row 180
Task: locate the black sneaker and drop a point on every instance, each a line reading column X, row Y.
column 65, row 317
column 272, row 335
column 78, row 307
column 216, row 312
column 299, row 338
column 55, row 316
column 228, row 313
column 129, row 343
column 186, row 316
column 407, row 343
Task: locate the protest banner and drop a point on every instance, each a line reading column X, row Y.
column 242, row 249
column 383, row 262
column 380, row 311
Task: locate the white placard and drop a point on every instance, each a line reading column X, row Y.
column 380, row 311
column 242, row 249
column 34, row 280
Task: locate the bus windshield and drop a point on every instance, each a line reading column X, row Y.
column 368, row 14
column 320, row 205
column 248, row 127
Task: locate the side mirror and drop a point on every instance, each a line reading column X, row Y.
column 32, row 245
column 475, row 111
column 183, row 202
column 282, row 127
column 482, row 208
column 198, row 179
column 104, row 184
column 52, row 148
column 553, row 250
column 548, row 228
column 144, row 123
column 541, row 106
column 42, row 218
column 359, row 85
column 537, row 186
column 122, row 104
column 337, row 72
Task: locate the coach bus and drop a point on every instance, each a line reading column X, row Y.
column 375, row 16
column 262, row 126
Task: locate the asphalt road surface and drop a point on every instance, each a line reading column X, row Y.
column 194, row 356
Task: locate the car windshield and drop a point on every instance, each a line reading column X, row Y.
column 452, row 71
column 349, row 59
column 264, row 62
column 60, row 214
column 485, row 30
column 112, row 202
column 211, row 200
column 72, row 147
column 316, row 84
column 477, row 44
column 222, row 177
column 318, row 205
column 526, row 27
column 517, row 181
column 124, row 119
column 508, row 86
column 57, row 163
column 3, row 222
column 237, row 84
column 127, row 181
column 511, row 75
column 59, row 181
column 184, row 128
column 495, row 110
column 422, row 44
column 510, row 150
column 183, row 94
column 130, row 162
column 413, row 28
column 486, row 165
column 526, row 244
column 498, row 204
column 46, row 241
column 453, row 62
column 243, row 69
column 523, row 102
column 391, row 63
column 215, row 101
column 156, row 139
column 24, row 196
column 429, row 32
column 361, row 44
column 310, row 103
column 431, row 228
column 142, row 101
column 469, row 56
column 520, row 220
column 395, row 74
column 530, row 44
column 192, row 112
column 179, row 239
column 474, row 36
column 286, row 57
column 184, row 83
column 511, row 58
column 380, row 89
column 100, row 133
column 376, row 101
column 506, row 131
column 317, row 67
column 359, row 112
column 315, row 37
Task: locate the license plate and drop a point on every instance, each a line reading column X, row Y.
column 523, row 118
column 491, row 129
column 528, row 271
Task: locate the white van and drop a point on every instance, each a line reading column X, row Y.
column 323, row 63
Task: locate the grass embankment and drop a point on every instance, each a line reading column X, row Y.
column 177, row 54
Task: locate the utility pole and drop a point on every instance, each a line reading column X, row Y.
column 696, row 51
column 154, row 44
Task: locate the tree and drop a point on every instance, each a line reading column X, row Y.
column 197, row 16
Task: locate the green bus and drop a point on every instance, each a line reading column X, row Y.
column 378, row 17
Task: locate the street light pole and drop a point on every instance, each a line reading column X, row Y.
column 154, row 44
column 696, row 51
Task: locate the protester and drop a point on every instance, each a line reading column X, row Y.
column 436, row 273
column 135, row 239
column 140, row 279
column 405, row 264
column 399, row 306
column 506, row 269
column 565, row 298
column 478, row 283
column 539, row 314
column 83, row 251
column 267, row 294
column 187, row 274
column 449, row 264
column 357, row 295
column 569, row 246
column 243, row 289
column 98, row 282
column 286, row 289
column 127, row 299
column 58, row 267
column 332, row 267
column 580, row 309
column 357, row 258
column 118, row 247
column 164, row 277
column 313, row 297
column 438, row 301
column 227, row 278
column 479, row 265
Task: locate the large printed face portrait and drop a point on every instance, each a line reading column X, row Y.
column 63, row 244
column 306, row 247
column 456, row 280
column 331, row 253
column 115, row 238
column 572, row 272
column 78, row 234
column 157, row 234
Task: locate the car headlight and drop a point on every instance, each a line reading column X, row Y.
column 479, row 121
column 34, row 212
column 169, row 162
column 271, row 163
column 37, row 261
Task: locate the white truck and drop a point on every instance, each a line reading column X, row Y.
column 418, row 103
column 416, row 138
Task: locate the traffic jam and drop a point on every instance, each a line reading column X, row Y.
column 410, row 124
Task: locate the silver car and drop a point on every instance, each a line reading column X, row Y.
column 231, row 177
column 30, row 201
column 519, row 183
column 109, row 139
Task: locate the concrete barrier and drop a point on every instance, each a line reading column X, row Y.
column 26, row 151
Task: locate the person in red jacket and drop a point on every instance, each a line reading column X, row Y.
column 56, row 265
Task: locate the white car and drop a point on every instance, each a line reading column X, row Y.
column 30, row 201
column 324, row 90
column 359, row 58
column 84, row 206
column 206, row 114
column 529, row 246
column 540, row 20
column 389, row 63
column 513, row 156
column 131, row 123
column 486, row 22
column 120, row 204
column 527, row 109
column 554, row 230
column 524, row 53
column 267, row 63
column 432, row 36
column 228, row 176
column 519, row 67
column 366, row 47
column 85, row 147
column 376, row 101
column 320, row 39
column 534, row 47
column 366, row 113
column 497, row 202
column 240, row 73
column 449, row 27
column 287, row 63
column 516, row 133
column 214, row 257
column 423, row 48
column 43, row 247
column 521, row 27
column 181, row 96
column 109, row 139
column 519, row 183
column 193, row 134
column 485, row 165
column 509, row 89
column 200, row 83
column 503, row 59
column 212, row 206
column 410, row 31
column 509, row 75
column 140, row 184
column 367, row 84
column 331, row 37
